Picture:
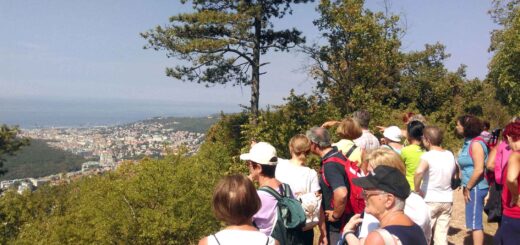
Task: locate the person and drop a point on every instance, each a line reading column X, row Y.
column 415, row 207
column 262, row 161
column 385, row 191
column 509, row 231
column 349, row 130
column 411, row 154
column 392, row 139
column 334, row 194
column 485, row 134
column 303, row 182
column 235, row 201
column 367, row 141
column 471, row 161
column 407, row 118
column 433, row 182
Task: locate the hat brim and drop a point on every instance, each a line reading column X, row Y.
column 366, row 182
column 245, row 157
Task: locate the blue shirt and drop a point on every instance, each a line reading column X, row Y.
column 466, row 164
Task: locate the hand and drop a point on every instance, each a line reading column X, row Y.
column 353, row 223
column 486, row 199
column 323, row 239
column 465, row 193
column 330, row 216
column 381, row 128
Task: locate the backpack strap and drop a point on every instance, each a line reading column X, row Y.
column 266, row 243
column 387, row 237
column 214, row 236
column 350, row 151
column 272, row 192
column 476, row 139
column 330, row 159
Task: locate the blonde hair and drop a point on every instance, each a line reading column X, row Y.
column 387, row 157
column 349, row 129
column 300, row 146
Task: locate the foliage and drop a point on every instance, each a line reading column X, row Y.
column 153, row 202
column 39, row 159
column 504, row 71
column 223, row 40
column 9, row 143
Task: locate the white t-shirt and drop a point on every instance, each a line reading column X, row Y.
column 436, row 184
column 226, row 237
column 415, row 208
column 301, row 179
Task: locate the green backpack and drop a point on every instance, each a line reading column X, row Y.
column 291, row 217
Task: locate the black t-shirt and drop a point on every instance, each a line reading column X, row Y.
column 336, row 177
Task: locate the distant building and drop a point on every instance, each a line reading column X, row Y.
column 90, row 166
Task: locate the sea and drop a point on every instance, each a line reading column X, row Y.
column 45, row 113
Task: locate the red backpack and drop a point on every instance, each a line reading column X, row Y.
column 355, row 202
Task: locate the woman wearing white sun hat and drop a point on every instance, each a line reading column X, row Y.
column 392, row 139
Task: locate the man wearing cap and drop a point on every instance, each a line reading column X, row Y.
column 385, row 191
column 262, row 162
column 334, row 195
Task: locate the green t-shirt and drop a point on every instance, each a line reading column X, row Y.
column 411, row 156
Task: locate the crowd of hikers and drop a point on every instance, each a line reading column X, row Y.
column 393, row 190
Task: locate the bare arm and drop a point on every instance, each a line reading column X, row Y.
column 329, row 124
column 490, row 164
column 340, row 200
column 419, row 172
column 513, row 170
column 203, row 241
column 478, row 164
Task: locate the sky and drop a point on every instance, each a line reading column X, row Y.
column 66, row 51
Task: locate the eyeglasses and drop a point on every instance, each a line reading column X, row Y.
column 365, row 194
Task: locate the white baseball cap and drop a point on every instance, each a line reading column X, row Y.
column 262, row 153
column 393, row 133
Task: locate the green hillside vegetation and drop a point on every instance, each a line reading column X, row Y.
column 39, row 159
column 167, row 201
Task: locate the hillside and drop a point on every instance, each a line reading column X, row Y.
column 39, row 159
column 191, row 124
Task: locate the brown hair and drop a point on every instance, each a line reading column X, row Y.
column 349, row 129
column 433, row 134
column 386, row 157
column 472, row 126
column 235, row 200
column 300, row 146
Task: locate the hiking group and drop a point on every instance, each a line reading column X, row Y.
column 396, row 190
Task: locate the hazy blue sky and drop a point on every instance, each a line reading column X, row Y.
column 91, row 50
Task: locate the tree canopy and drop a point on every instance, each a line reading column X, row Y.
column 221, row 42
column 9, row 143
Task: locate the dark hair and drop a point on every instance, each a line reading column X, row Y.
column 415, row 130
column 235, row 200
column 362, row 117
column 486, row 125
column 433, row 134
column 513, row 130
column 472, row 126
column 268, row 170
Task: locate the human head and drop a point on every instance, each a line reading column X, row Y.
column 349, row 129
column 393, row 134
column 512, row 133
column 300, row 146
column 432, row 136
column 415, row 130
column 235, row 200
column 485, row 125
column 407, row 116
column 385, row 189
column 319, row 137
column 362, row 117
column 469, row 126
column 385, row 157
column 262, row 160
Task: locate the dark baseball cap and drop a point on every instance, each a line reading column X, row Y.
column 387, row 179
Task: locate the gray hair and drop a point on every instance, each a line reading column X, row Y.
column 362, row 117
column 398, row 204
column 319, row 136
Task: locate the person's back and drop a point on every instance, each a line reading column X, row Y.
column 436, row 184
column 411, row 154
column 349, row 147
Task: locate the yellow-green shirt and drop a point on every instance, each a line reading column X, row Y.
column 411, row 155
column 344, row 146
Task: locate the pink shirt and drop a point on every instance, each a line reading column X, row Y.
column 501, row 158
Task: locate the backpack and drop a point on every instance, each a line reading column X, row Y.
column 290, row 218
column 355, row 202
